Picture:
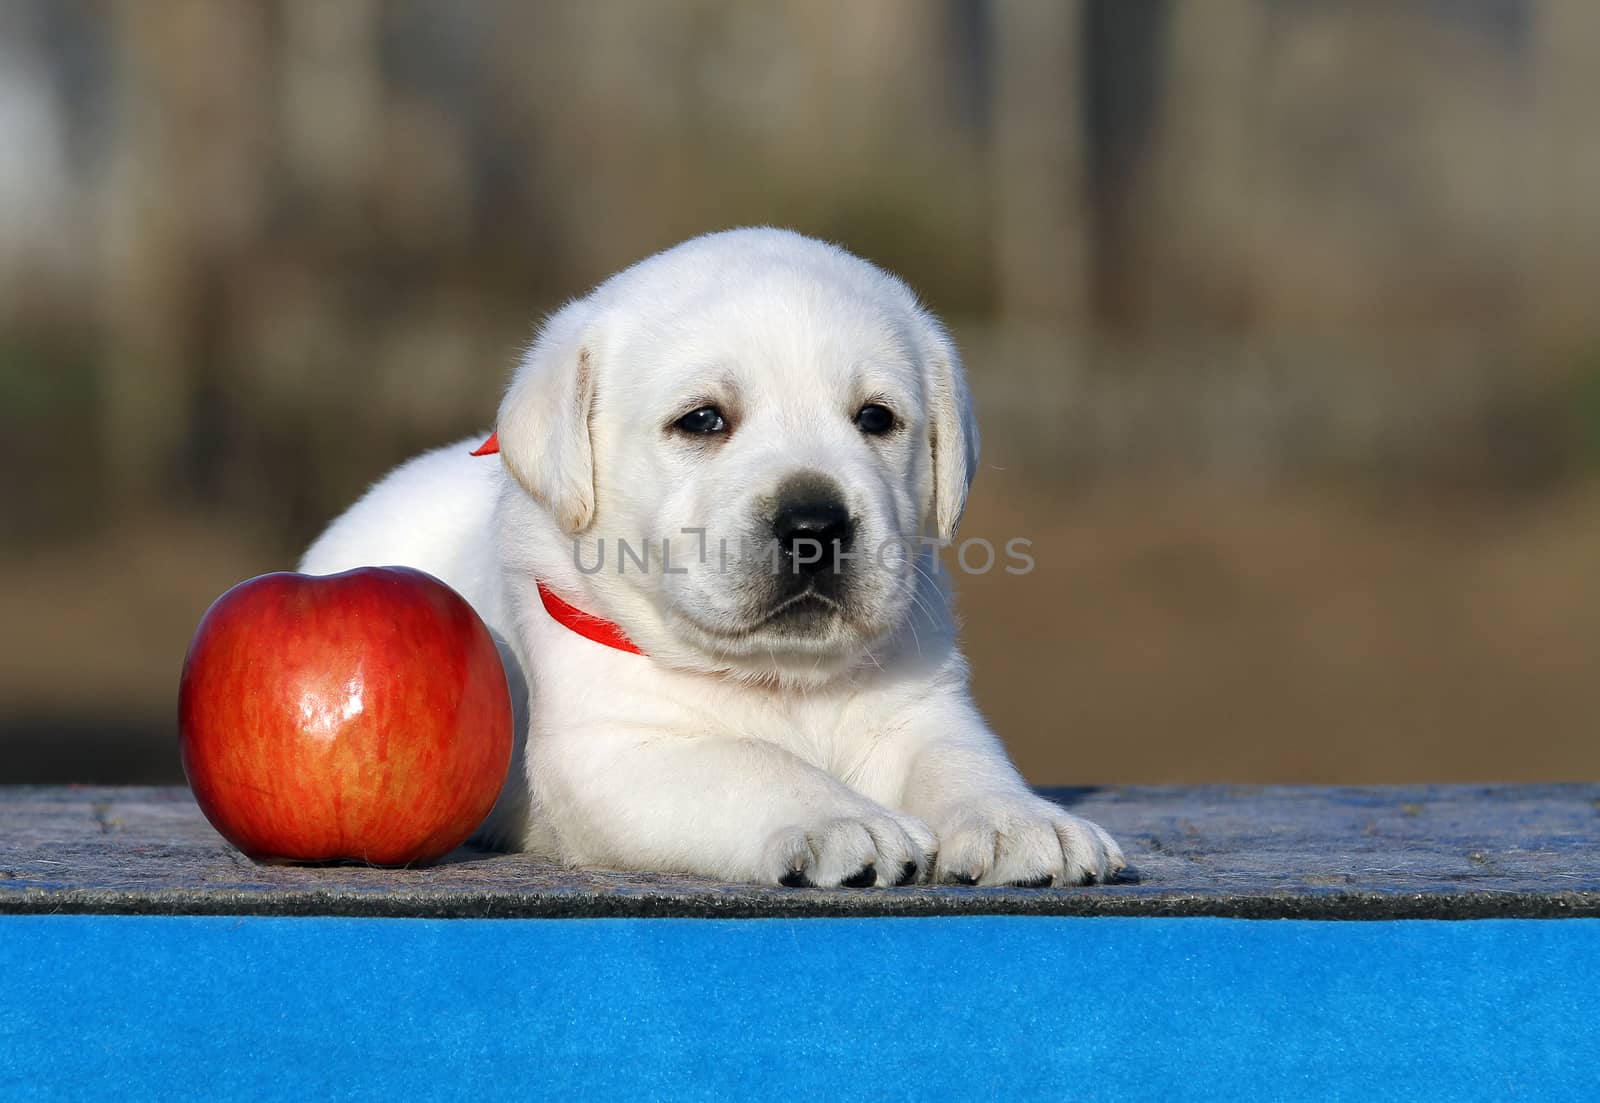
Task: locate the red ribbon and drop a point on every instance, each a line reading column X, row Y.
column 587, row 625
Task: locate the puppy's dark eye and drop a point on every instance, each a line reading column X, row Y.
column 874, row 420
column 703, row 422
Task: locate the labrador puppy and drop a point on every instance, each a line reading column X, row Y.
column 707, row 545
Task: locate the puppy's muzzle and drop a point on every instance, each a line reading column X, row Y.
column 813, row 536
column 813, row 532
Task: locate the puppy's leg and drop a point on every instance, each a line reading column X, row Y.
column 992, row 828
column 734, row 809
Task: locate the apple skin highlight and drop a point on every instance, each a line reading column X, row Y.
column 362, row 716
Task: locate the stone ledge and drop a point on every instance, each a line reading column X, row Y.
column 1277, row 852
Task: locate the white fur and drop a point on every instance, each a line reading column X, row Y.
column 735, row 750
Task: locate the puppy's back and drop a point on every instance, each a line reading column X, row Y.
column 433, row 513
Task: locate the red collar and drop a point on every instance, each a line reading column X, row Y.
column 587, row 625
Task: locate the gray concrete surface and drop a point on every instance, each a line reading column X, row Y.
column 1255, row 852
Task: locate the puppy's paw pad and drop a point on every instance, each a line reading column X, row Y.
column 796, row 879
column 1025, row 842
column 847, row 852
column 862, row 878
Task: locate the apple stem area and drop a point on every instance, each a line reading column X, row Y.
column 1262, row 937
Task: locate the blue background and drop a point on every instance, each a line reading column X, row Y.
column 827, row 1009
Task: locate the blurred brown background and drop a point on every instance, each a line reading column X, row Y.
column 1281, row 316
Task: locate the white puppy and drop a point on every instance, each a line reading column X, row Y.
column 726, row 458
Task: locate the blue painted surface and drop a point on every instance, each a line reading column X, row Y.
column 827, row 1009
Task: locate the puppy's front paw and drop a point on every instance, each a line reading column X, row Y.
column 1028, row 842
column 861, row 850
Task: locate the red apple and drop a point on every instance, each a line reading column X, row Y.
column 360, row 716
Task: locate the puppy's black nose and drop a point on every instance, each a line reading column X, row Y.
column 812, row 532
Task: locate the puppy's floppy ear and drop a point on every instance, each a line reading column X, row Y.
column 952, row 428
column 543, row 424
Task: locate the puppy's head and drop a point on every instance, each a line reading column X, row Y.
column 751, row 440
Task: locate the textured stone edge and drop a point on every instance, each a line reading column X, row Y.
column 805, row 904
column 1405, row 897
